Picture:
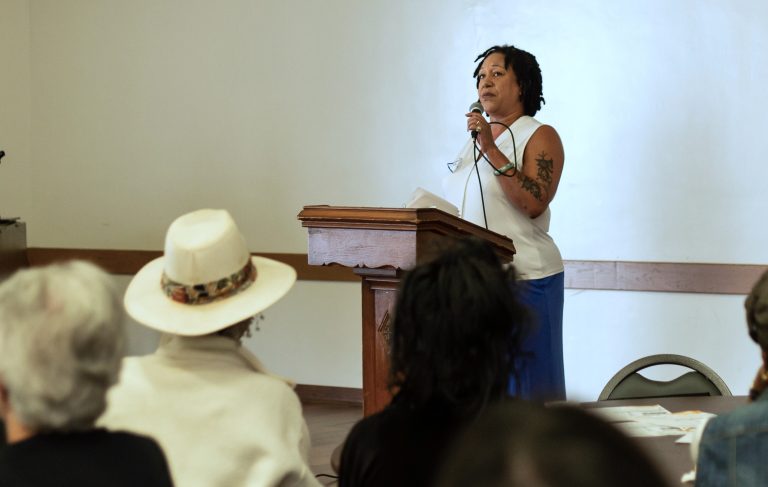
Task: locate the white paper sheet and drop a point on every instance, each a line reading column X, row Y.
column 648, row 421
column 421, row 198
column 616, row 414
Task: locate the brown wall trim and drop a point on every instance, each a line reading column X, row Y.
column 113, row 261
column 130, row 261
column 662, row 276
column 579, row 274
column 337, row 395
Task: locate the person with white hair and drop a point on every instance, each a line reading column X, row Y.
column 220, row 417
column 61, row 342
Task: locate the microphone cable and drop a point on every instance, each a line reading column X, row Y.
column 479, row 182
column 475, row 150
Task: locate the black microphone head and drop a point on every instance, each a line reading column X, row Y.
column 476, row 107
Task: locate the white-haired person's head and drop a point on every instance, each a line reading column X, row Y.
column 61, row 343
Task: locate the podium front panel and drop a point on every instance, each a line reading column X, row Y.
column 379, row 295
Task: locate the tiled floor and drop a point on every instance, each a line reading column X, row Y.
column 328, row 426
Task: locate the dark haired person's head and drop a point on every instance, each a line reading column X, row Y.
column 457, row 328
column 756, row 307
column 526, row 70
column 522, row 444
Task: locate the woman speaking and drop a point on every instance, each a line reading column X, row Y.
column 504, row 179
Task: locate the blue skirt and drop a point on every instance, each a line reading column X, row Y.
column 540, row 370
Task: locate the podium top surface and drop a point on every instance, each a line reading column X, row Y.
column 376, row 237
column 371, row 214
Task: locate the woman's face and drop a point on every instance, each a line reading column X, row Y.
column 497, row 87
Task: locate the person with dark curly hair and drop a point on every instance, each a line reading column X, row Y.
column 524, row 444
column 504, row 180
column 733, row 446
column 454, row 320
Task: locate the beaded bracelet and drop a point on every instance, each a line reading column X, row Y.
column 503, row 169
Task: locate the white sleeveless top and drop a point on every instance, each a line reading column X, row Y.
column 537, row 255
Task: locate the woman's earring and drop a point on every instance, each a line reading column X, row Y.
column 256, row 320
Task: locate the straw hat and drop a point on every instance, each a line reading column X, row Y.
column 206, row 280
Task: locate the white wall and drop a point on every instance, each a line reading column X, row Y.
column 605, row 330
column 321, row 347
column 128, row 114
column 14, row 100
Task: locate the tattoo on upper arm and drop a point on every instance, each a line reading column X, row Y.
column 545, row 166
column 530, row 185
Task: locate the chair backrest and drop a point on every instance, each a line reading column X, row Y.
column 629, row 384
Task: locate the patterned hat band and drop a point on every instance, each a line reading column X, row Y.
column 210, row 292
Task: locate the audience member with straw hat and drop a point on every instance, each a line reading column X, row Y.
column 221, row 418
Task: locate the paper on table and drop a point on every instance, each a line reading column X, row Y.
column 616, row 414
column 641, row 429
column 652, row 420
column 421, row 198
column 688, row 477
column 685, row 421
column 686, row 438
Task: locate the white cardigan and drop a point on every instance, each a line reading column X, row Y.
column 220, row 418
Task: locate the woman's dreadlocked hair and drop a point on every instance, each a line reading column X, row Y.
column 526, row 69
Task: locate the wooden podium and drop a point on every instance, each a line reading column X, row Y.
column 379, row 244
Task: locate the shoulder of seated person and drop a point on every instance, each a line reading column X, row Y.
column 751, row 419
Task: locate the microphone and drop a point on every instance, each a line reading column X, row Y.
column 476, row 107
